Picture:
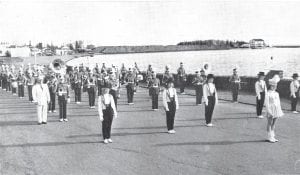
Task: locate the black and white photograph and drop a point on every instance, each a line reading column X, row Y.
column 149, row 87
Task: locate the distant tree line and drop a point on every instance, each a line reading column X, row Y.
column 77, row 46
column 222, row 43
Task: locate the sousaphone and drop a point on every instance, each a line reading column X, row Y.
column 58, row 66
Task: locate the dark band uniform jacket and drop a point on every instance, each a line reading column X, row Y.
column 235, row 80
column 130, row 79
column 154, row 86
column 199, row 80
column 181, row 74
column 63, row 89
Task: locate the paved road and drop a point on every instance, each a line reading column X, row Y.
column 236, row 145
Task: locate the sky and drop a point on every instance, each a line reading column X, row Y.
column 147, row 22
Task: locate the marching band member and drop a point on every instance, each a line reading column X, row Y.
column 136, row 70
column 130, row 85
column 21, row 81
column 273, row 109
column 14, row 83
column 100, row 82
column 123, row 73
column 107, row 111
column 149, row 77
column 167, row 76
column 149, row 72
column 235, row 85
column 155, row 89
column 294, row 89
column 8, row 79
column 182, row 77
column 84, row 81
column 103, row 69
column 210, row 98
column 260, row 89
column 96, row 69
column 113, row 84
column 30, row 82
column 170, row 102
column 52, row 85
column 91, row 88
column 4, row 78
column 198, row 82
column 77, row 87
column 63, row 97
column 41, row 97
column 136, row 67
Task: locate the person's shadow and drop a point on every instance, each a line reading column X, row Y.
column 225, row 142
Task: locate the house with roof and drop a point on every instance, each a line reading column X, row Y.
column 257, row 44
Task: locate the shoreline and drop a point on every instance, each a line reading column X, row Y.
column 43, row 59
column 118, row 53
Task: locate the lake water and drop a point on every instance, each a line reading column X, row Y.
column 248, row 61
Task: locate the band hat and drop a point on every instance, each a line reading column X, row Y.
column 236, row 67
column 210, row 76
column 202, row 70
column 295, row 75
column 261, row 74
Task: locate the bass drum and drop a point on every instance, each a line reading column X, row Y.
column 140, row 77
column 14, row 84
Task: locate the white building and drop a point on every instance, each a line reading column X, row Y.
column 15, row 51
column 20, row 52
column 63, row 51
column 257, row 43
column 3, row 49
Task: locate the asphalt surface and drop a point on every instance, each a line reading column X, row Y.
column 236, row 145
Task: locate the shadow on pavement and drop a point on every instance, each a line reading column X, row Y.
column 47, row 144
column 23, row 123
column 115, row 134
column 216, row 119
column 162, row 127
column 208, row 143
column 17, row 123
column 136, row 110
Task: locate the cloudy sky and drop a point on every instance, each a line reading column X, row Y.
column 133, row 22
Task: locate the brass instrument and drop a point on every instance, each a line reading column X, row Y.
column 58, row 66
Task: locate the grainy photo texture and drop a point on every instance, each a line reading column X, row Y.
column 150, row 87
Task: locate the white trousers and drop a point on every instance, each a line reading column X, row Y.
column 42, row 113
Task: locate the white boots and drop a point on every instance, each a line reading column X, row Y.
column 271, row 137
